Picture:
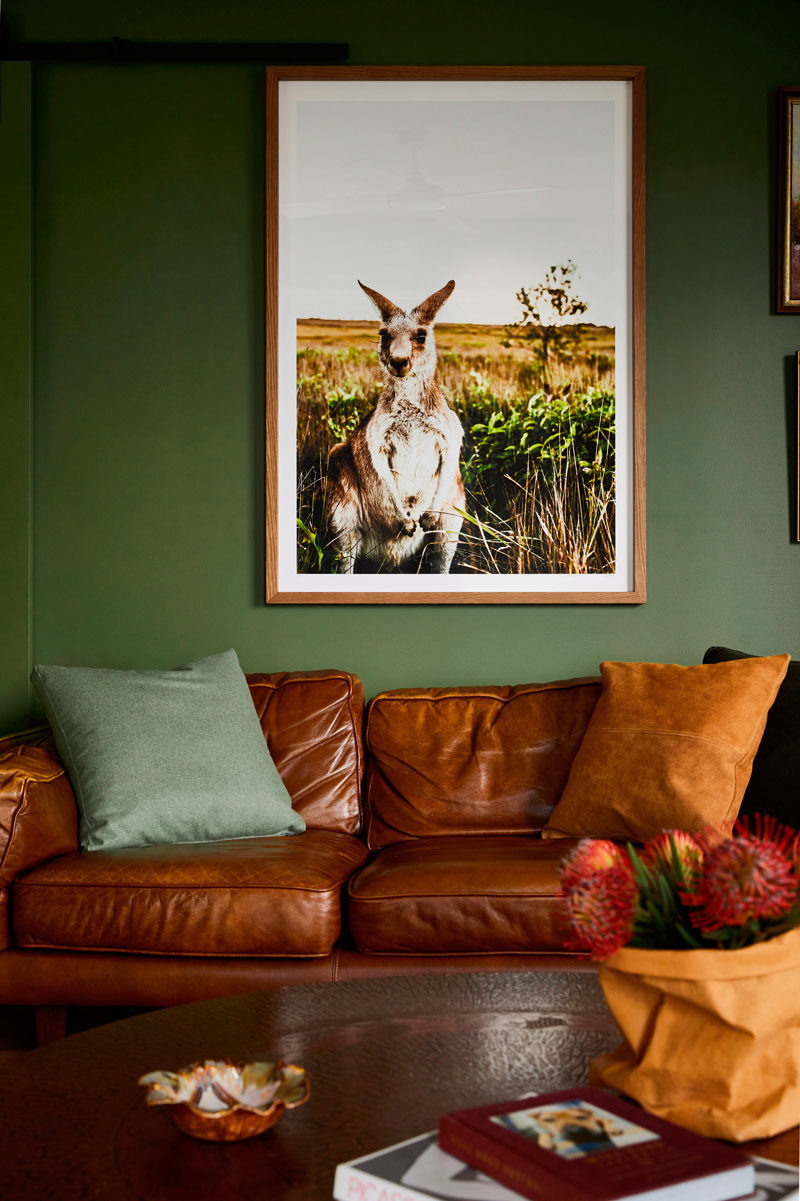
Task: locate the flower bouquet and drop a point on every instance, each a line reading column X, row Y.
column 699, row 942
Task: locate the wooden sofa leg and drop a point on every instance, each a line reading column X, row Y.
column 51, row 1023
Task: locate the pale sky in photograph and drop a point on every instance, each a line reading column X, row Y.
column 406, row 194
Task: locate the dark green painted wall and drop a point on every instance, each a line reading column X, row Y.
column 15, row 392
column 148, row 273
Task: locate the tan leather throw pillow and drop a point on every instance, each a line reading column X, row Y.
column 667, row 747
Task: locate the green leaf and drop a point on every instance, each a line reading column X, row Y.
column 312, row 538
column 688, row 935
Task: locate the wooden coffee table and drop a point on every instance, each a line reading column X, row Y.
column 386, row 1057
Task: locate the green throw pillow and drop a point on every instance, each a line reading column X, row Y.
column 165, row 756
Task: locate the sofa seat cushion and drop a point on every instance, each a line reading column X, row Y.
column 276, row 896
column 459, row 894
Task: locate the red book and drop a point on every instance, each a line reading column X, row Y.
column 583, row 1144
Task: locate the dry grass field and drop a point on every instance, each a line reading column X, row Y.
column 462, row 339
column 538, row 452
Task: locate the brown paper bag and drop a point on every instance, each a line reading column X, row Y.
column 712, row 1038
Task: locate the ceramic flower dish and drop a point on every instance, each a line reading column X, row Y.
column 223, row 1101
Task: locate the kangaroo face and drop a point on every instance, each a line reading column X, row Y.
column 407, row 345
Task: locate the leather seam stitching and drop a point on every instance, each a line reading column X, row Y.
column 182, row 887
column 440, row 896
column 229, row 955
column 521, row 690
column 314, row 679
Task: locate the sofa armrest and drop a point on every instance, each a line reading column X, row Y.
column 38, row 817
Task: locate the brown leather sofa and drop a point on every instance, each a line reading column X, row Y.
column 421, row 853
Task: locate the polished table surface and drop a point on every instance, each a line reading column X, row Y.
column 386, row 1058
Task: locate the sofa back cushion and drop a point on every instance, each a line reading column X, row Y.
column 313, row 724
column 488, row 760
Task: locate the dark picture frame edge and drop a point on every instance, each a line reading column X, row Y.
column 633, row 74
column 787, row 97
column 797, row 446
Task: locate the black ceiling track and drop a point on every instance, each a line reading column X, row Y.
column 125, row 50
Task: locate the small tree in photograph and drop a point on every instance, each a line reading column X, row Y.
column 549, row 311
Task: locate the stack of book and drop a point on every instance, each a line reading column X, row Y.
column 575, row 1145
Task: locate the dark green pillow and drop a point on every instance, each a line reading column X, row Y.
column 774, row 786
column 165, row 756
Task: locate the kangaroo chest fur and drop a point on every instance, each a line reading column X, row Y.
column 413, row 436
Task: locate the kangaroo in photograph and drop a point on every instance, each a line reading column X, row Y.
column 394, row 487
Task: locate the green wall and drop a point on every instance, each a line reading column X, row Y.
column 16, row 399
column 148, row 338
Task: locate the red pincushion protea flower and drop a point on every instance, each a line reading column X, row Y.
column 601, row 896
column 661, row 851
column 590, row 856
column 748, row 878
column 600, row 910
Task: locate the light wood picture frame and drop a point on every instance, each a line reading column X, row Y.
column 512, row 469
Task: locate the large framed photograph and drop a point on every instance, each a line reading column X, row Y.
column 789, row 200
column 455, row 335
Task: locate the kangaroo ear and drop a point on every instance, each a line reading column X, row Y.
column 426, row 310
column 385, row 307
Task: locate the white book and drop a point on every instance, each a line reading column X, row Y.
column 417, row 1170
